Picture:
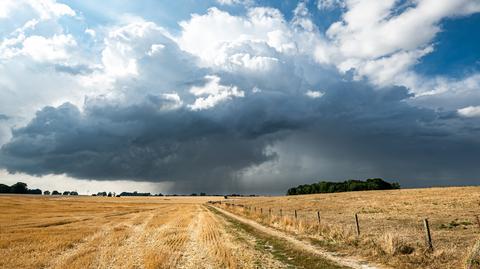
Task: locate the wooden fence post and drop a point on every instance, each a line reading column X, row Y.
column 261, row 210
column 357, row 224
column 318, row 217
column 269, row 211
column 280, row 212
column 295, row 214
column 428, row 236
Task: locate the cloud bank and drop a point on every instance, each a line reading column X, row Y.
column 239, row 103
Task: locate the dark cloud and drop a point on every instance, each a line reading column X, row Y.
column 271, row 139
column 136, row 142
column 353, row 131
column 4, row 117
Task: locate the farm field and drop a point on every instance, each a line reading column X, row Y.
column 391, row 223
column 149, row 232
column 211, row 232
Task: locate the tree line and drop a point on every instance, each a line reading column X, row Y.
column 22, row 188
column 348, row 185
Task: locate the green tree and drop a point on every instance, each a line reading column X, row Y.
column 19, row 187
column 4, row 188
column 348, row 185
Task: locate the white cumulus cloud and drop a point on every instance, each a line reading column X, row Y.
column 48, row 49
column 90, row 32
column 209, row 36
column 383, row 40
column 213, row 93
column 470, row 111
column 314, row 94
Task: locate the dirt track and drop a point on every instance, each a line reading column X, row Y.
column 349, row 262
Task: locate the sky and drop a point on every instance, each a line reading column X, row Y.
column 238, row 96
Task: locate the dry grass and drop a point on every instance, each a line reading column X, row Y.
column 473, row 261
column 179, row 232
column 100, row 232
column 390, row 223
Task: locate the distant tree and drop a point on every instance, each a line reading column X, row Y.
column 4, row 188
column 109, row 194
column 378, row 184
column 396, row 185
column 19, row 187
column 134, row 194
column 56, row 193
column 348, row 185
column 356, row 185
column 34, row 191
column 203, row 194
column 292, row 191
column 73, row 193
column 46, row 193
column 66, row 193
column 193, row 194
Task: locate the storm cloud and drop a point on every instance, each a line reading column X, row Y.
column 360, row 131
column 250, row 102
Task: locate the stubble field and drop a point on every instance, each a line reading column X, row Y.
column 392, row 230
column 188, row 232
column 98, row 232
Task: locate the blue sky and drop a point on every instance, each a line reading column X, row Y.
column 456, row 53
column 238, row 95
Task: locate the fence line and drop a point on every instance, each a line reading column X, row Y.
column 317, row 215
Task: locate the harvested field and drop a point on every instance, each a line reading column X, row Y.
column 188, row 232
column 391, row 223
column 149, row 232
